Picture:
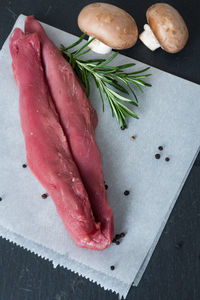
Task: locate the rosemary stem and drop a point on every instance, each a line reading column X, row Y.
column 107, row 77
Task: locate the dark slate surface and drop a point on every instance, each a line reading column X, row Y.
column 173, row 272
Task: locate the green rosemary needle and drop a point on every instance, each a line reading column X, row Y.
column 107, row 77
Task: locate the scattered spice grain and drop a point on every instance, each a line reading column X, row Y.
column 44, row 196
column 179, row 245
column 117, row 237
column 126, row 193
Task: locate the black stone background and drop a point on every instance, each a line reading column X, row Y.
column 173, row 273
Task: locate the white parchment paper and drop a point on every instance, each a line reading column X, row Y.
column 169, row 116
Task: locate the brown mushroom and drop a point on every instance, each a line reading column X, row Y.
column 166, row 29
column 111, row 26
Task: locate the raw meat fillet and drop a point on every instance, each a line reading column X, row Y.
column 78, row 120
column 48, row 153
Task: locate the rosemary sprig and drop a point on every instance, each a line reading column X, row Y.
column 107, row 77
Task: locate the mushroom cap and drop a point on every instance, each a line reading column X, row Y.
column 168, row 26
column 109, row 24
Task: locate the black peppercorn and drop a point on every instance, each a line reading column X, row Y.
column 126, row 193
column 160, row 148
column 112, row 267
column 44, row 196
column 106, row 186
column 179, row 245
column 167, row 159
column 24, row 166
column 0, row 199
column 122, row 128
column 122, row 234
column 117, row 242
column 157, row 155
column 117, row 237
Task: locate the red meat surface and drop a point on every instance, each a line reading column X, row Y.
column 48, row 152
column 78, row 120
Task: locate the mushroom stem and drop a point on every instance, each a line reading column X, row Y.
column 149, row 39
column 99, row 47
